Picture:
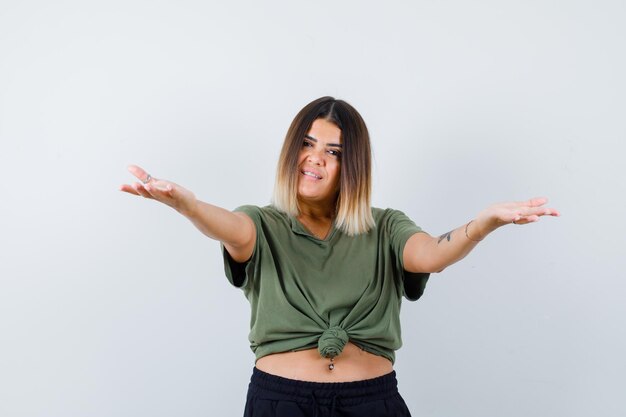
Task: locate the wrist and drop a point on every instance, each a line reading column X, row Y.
column 190, row 210
column 475, row 231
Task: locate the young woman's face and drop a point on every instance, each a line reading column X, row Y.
column 319, row 164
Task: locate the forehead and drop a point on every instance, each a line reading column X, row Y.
column 325, row 131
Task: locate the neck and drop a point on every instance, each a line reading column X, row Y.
column 318, row 220
column 317, row 212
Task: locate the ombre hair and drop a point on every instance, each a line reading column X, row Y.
column 353, row 212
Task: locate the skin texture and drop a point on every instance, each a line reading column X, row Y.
column 423, row 253
column 321, row 156
column 317, row 195
column 235, row 230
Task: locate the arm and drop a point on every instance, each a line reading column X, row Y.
column 424, row 253
column 235, row 230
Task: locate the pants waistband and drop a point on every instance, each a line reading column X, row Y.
column 325, row 393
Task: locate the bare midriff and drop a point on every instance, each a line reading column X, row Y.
column 353, row 364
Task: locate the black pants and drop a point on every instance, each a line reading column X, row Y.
column 274, row 396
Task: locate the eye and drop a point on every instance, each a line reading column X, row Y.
column 307, row 143
column 335, row 152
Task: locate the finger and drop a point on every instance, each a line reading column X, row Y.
column 128, row 189
column 160, row 191
column 554, row 212
column 536, row 202
column 141, row 190
column 525, row 220
column 539, row 211
column 547, row 212
column 158, row 185
column 533, row 202
column 139, row 172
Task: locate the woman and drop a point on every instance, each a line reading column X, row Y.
column 325, row 272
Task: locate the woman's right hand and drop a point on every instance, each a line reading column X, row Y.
column 166, row 192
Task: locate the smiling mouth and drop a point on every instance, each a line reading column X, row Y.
column 311, row 174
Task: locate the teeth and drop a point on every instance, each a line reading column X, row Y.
column 310, row 174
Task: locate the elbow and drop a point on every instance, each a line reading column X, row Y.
column 437, row 267
column 431, row 268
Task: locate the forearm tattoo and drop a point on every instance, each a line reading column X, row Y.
column 445, row 236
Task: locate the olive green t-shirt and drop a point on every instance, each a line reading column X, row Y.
column 304, row 290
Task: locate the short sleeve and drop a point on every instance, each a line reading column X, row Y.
column 238, row 273
column 401, row 228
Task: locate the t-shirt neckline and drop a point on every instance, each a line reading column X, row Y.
column 301, row 229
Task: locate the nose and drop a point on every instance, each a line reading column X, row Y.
column 316, row 156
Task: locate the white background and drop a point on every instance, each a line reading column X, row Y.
column 111, row 305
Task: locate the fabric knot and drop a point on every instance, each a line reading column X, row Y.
column 332, row 342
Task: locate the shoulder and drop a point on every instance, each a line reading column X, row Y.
column 265, row 211
column 394, row 223
column 266, row 215
column 385, row 215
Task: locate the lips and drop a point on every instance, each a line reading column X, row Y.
column 311, row 174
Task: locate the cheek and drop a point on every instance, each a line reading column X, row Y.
column 337, row 173
column 301, row 156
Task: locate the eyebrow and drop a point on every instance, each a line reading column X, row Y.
column 338, row 145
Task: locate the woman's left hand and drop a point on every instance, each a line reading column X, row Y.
column 519, row 212
column 423, row 253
